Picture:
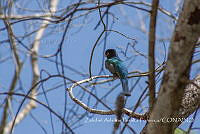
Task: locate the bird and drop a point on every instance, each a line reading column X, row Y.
column 115, row 66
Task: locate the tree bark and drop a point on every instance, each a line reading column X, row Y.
column 176, row 75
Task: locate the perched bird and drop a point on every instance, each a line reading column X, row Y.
column 115, row 65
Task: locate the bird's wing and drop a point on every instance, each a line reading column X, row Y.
column 121, row 69
column 116, row 66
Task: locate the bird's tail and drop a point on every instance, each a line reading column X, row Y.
column 125, row 88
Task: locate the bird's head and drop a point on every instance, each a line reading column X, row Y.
column 110, row 53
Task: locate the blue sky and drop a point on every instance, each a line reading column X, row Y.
column 77, row 47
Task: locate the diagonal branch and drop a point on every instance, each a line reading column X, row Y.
column 102, row 112
column 35, row 70
column 190, row 101
column 18, row 67
column 178, row 67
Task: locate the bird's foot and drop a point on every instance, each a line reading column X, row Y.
column 126, row 94
column 115, row 77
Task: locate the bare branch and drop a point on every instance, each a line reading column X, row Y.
column 152, row 39
column 102, row 112
column 177, row 71
column 18, row 67
column 191, row 100
column 35, row 70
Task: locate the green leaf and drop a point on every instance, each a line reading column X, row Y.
column 179, row 131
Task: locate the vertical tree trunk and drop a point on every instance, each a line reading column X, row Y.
column 176, row 75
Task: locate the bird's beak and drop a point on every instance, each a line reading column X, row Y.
column 106, row 54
